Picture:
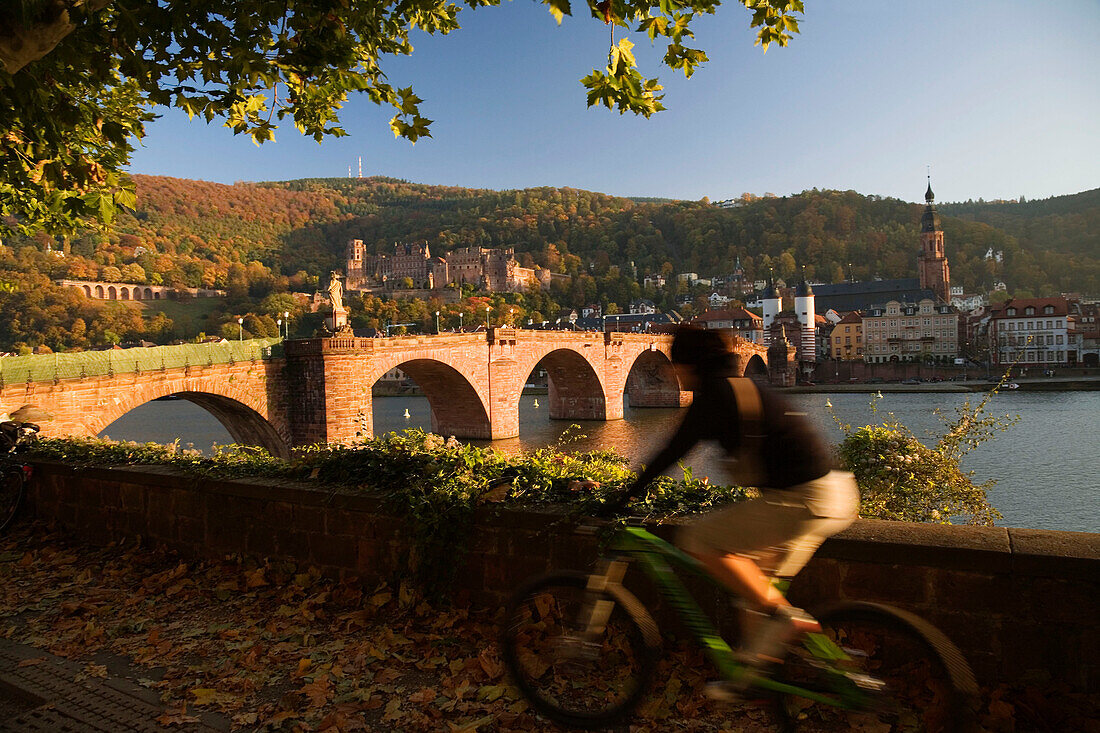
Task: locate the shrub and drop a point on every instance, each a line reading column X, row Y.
column 901, row 478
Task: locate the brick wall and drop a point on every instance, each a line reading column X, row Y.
column 1020, row 603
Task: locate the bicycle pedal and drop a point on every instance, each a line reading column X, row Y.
column 867, row 683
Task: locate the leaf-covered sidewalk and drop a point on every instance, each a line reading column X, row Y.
column 278, row 647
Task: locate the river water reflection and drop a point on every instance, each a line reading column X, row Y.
column 1044, row 466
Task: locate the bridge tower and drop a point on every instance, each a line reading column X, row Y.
column 772, row 306
column 804, row 309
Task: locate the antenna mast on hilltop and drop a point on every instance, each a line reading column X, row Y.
column 360, row 166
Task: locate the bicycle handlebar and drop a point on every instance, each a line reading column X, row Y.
column 15, row 434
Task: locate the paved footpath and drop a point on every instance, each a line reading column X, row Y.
column 43, row 693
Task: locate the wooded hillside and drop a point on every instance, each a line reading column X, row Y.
column 258, row 240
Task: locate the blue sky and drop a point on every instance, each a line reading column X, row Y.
column 1001, row 98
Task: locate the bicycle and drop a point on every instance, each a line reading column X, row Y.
column 582, row 650
column 14, row 438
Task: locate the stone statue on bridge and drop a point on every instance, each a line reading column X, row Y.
column 339, row 322
column 336, row 291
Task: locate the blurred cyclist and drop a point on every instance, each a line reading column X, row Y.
column 803, row 499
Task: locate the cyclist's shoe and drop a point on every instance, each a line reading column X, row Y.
column 725, row 691
column 764, row 650
column 736, row 691
column 768, row 643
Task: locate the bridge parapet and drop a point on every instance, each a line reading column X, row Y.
column 76, row 365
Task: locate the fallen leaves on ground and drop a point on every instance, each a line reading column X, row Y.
column 277, row 646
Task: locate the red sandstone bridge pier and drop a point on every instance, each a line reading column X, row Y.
column 300, row 392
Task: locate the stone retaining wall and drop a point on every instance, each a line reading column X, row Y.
column 1020, row 603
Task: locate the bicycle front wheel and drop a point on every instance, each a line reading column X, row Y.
column 571, row 669
column 12, row 490
column 903, row 675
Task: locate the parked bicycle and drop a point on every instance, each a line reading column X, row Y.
column 15, row 437
column 583, row 650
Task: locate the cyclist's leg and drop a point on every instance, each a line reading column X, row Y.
column 829, row 505
column 748, row 544
column 832, row 504
column 742, row 545
column 741, row 575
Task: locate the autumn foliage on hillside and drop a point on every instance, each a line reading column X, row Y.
column 259, row 240
column 304, row 225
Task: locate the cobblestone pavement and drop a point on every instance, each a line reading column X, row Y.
column 43, row 693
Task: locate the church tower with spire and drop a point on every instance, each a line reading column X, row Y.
column 932, row 261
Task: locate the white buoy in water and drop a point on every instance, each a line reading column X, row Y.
column 536, row 403
column 407, row 415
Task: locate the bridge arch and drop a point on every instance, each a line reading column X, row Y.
column 457, row 407
column 238, row 400
column 574, row 388
column 755, row 367
column 652, row 382
column 244, row 422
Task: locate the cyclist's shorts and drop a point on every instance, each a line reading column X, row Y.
column 782, row 529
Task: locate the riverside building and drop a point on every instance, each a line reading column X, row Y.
column 1032, row 332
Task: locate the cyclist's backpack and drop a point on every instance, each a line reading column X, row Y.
column 746, row 467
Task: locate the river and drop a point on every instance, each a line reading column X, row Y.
column 1044, row 466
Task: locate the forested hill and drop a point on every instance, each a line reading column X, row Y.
column 260, row 240
column 1049, row 246
column 1063, row 224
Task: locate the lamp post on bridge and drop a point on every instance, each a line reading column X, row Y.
column 240, row 329
column 279, row 323
column 437, row 323
column 486, row 318
column 461, row 315
column 286, row 320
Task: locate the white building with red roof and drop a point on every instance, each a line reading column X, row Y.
column 1033, row 332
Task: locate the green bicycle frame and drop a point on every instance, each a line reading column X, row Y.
column 657, row 558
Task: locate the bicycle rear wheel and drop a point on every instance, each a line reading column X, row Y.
column 909, row 676
column 565, row 675
column 12, row 491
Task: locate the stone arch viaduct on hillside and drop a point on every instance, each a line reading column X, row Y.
column 320, row 390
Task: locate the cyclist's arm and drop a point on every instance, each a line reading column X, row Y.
column 685, row 438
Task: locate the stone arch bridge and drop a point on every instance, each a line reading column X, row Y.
column 319, row 390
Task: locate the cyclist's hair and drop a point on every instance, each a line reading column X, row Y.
column 709, row 352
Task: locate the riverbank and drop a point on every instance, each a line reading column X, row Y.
column 1026, row 384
